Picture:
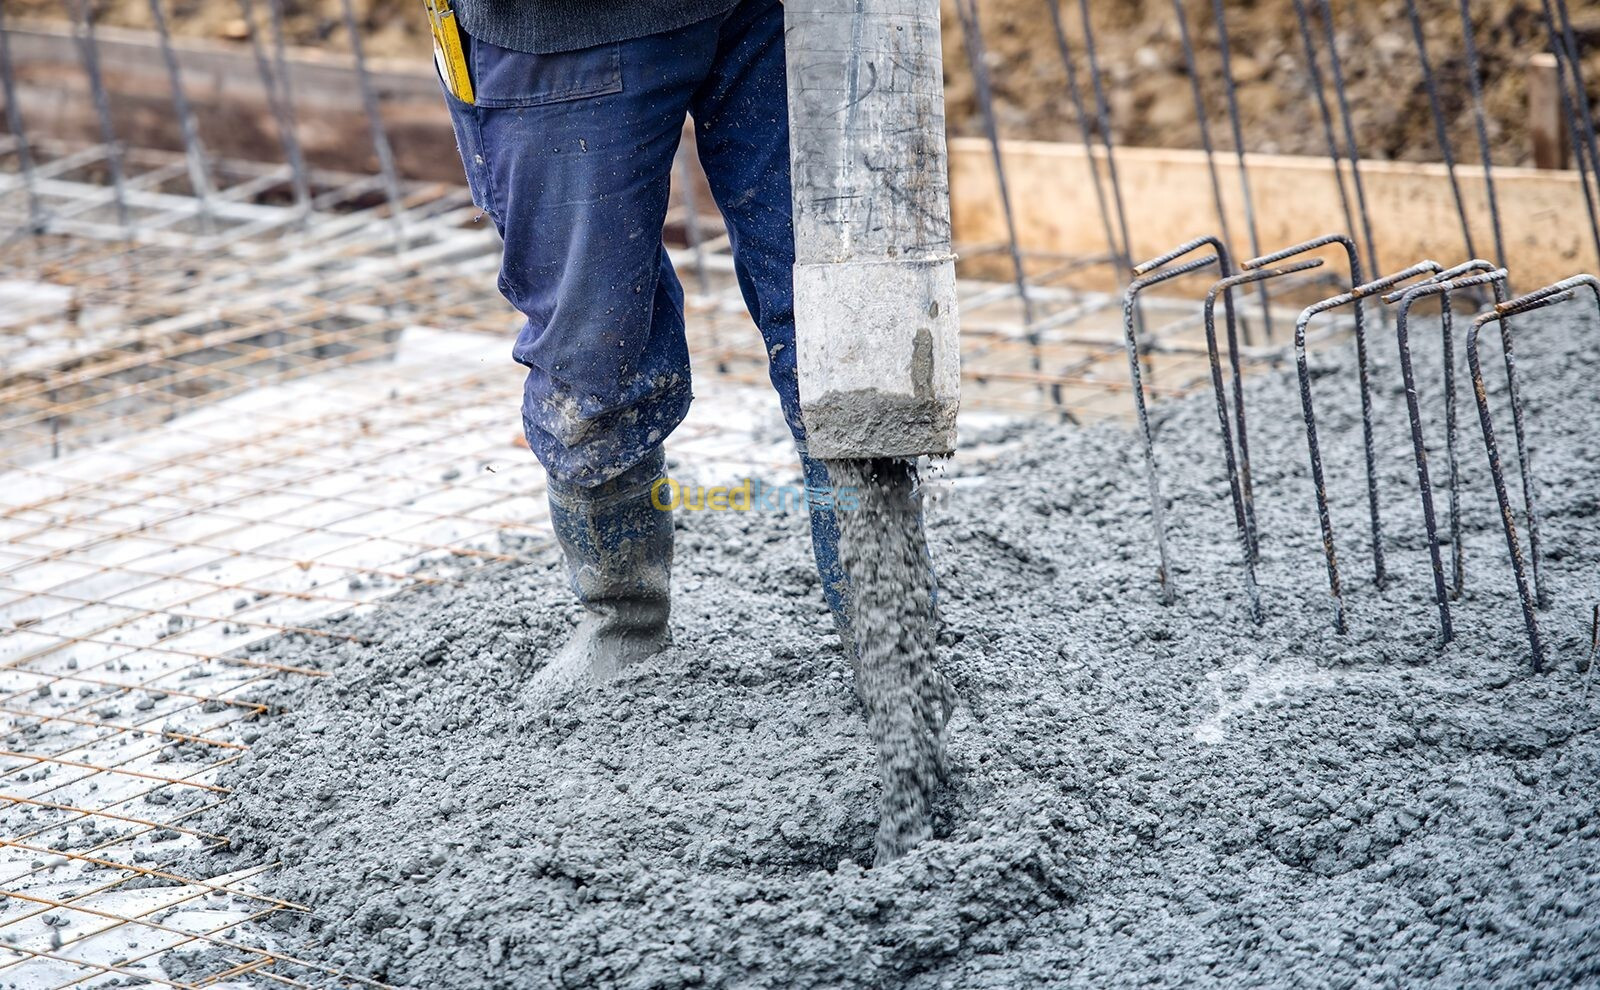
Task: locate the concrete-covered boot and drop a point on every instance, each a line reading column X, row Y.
column 618, row 549
column 825, row 548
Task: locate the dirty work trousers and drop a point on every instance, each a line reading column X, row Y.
column 570, row 154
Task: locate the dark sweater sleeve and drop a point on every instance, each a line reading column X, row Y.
column 544, row 26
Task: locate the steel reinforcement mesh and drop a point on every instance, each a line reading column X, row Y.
column 213, row 434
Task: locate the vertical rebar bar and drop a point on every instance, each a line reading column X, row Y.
column 1236, row 362
column 1352, row 149
column 380, row 136
column 1122, row 260
column 1505, row 309
column 1130, row 298
column 1363, row 378
column 36, row 217
column 1408, row 298
column 1475, row 84
column 1549, row 295
column 282, row 111
column 1440, row 127
column 1508, row 522
column 1575, row 107
column 691, row 224
column 193, row 150
column 684, row 177
column 1447, row 329
column 1458, row 564
column 1102, row 111
column 89, row 51
column 1580, row 87
column 1200, row 119
column 1320, row 95
column 1314, row 448
column 1249, row 548
column 1424, row 485
column 972, row 36
column 1230, row 92
column 1318, row 483
column 1524, row 460
column 280, row 62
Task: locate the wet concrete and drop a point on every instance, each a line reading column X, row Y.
column 1137, row 794
column 906, row 697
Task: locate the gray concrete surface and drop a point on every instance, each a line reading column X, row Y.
column 1138, row 794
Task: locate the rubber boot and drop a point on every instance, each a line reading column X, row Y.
column 618, row 549
column 825, row 549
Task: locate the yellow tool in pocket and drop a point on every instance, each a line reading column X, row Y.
column 447, row 53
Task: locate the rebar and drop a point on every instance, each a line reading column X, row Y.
column 67, row 527
column 1248, row 548
column 695, row 234
column 36, row 216
column 1102, row 111
column 1123, row 260
column 1203, row 123
column 194, row 151
column 1528, row 592
column 1314, row 449
column 1505, row 310
column 1225, row 269
column 1352, row 151
column 1580, row 90
column 692, row 230
column 1152, row 479
column 1231, row 95
column 280, row 62
column 1440, row 130
column 1408, row 298
column 972, row 35
column 1481, row 127
column 1538, row 299
column 1575, row 108
column 1320, row 95
column 89, row 52
column 1447, row 350
column 380, row 136
column 276, row 91
column 1353, row 263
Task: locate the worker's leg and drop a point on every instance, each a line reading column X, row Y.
column 571, row 154
column 742, row 133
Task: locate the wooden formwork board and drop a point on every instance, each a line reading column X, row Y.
column 1168, row 199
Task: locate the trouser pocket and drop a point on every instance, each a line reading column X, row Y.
column 469, row 142
column 502, row 77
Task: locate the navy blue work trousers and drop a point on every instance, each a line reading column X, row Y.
column 570, row 154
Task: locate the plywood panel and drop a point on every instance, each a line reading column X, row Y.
column 1167, row 195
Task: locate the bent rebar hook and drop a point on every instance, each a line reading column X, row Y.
column 1458, row 573
column 1408, row 298
column 1243, row 512
column 1529, row 594
column 1524, row 455
column 1129, row 302
column 1308, row 413
column 1354, row 262
column 1224, row 269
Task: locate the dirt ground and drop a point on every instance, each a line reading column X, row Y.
column 1142, row 60
column 1152, row 103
